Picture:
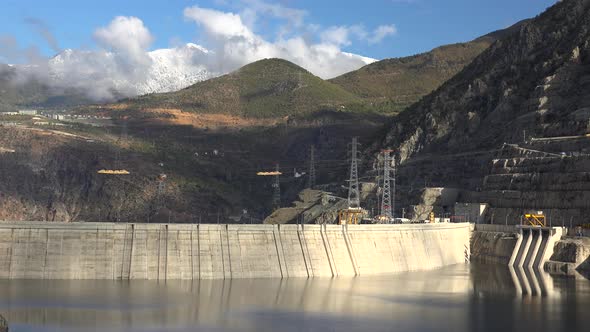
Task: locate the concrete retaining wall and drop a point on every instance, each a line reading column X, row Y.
column 493, row 243
column 492, row 247
column 35, row 250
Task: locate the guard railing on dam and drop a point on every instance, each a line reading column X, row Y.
column 42, row 250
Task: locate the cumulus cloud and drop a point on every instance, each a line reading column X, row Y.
column 126, row 36
column 114, row 70
column 219, row 24
column 123, row 64
column 337, row 35
column 235, row 44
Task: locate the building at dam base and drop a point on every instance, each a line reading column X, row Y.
column 41, row 250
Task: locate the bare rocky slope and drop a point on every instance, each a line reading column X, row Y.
column 529, row 89
column 535, row 79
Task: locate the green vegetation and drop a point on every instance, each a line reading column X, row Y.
column 264, row 89
column 391, row 85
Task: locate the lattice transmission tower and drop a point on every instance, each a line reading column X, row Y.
column 386, row 206
column 311, row 177
column 276, row 186
column 354, row 200
column 276, row 196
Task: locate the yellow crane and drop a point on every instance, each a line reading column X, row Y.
column 535, row 219
column 114, row 172
column 276, row 197
column 351, row 216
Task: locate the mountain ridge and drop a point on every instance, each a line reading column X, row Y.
column 533, row 80
column 396, row 83
column 263, row 89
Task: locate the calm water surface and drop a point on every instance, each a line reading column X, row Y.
column 457, row 298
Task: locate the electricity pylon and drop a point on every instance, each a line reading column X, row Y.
column 311, row 177
column 386, row 206
column 353, row 184
column 276, row 197
column 276, row 185
column 393, row 180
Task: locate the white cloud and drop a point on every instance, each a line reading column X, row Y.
column 219, row 24
column 293, row 15
column 125, row 65
column 381, row 32
column 126, row 36
column 234, row 45
column 337, row 35
column 342, row 35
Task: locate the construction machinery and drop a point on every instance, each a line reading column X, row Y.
column 114, row 172
column 536, row 218
column 351, row 216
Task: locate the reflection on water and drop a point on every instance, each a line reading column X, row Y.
column 458, row 298
column 531, row 282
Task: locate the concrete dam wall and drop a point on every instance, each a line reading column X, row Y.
column 493, row 243
column 40, row 250
column 518, row 246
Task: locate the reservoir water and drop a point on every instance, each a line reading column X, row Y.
column 457, row 298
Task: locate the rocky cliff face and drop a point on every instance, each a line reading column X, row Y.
column 50, row 176
column 536, row 79
column 510, row 129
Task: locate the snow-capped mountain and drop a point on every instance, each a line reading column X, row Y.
column 175, row 69
column 105, row 74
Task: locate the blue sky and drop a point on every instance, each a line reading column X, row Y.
column 420, row 24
